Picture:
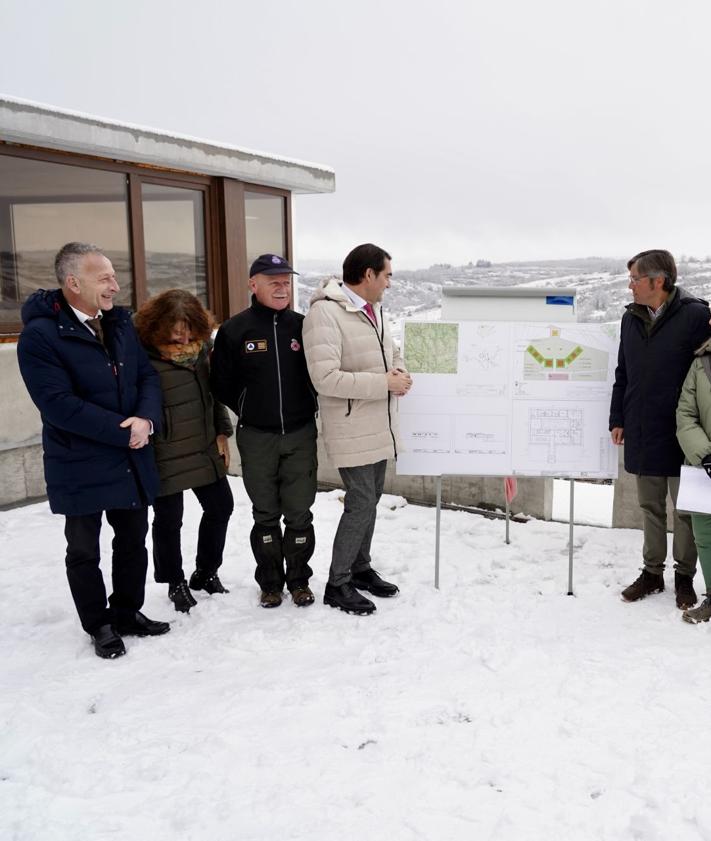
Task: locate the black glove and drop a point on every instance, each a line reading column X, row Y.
column 706, row 464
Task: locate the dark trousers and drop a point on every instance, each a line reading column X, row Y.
column 217, row 506
column 128, row 566
column 279, row 474
column 351, row 545
column 652, row 496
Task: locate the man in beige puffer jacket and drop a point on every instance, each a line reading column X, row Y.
column 358, row 373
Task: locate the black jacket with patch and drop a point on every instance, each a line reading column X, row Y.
column 258, row 369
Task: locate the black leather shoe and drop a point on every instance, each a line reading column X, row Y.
column 209, row 583
column 107, row 643
column 141, row 626
column 346, row 597
column 368, row 579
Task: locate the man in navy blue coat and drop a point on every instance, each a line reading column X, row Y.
column 660, row 331
column 100, row 399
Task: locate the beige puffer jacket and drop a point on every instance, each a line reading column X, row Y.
column 347, row 360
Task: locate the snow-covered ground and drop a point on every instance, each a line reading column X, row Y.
column 495, row 708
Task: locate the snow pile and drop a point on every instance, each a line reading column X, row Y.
column 495, row 708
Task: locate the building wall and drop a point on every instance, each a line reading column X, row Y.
column 21, row 471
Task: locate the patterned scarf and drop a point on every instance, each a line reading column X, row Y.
column 185, row 355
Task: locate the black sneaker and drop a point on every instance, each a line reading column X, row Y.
column 368, row 579
column 685, row 593
column 209, row 583
column 107, row 643
column 347, row 598
column 645, row 585
column 181, row 596
column 139, row 625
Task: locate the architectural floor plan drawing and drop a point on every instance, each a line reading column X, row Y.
column 505, row 398
column 553, row 429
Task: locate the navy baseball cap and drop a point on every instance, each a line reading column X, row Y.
column 270, row 264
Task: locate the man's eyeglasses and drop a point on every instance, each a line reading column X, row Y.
column 636, row 280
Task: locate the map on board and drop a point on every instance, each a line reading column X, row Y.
column 433, row 348
column 508, row 398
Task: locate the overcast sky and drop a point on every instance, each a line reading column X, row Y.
column 458, row 129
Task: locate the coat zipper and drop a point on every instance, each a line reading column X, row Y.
column 276, row 351
column 381, row 339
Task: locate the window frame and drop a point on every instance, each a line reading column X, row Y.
column 226, row 269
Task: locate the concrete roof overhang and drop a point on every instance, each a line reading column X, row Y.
column 51, row 128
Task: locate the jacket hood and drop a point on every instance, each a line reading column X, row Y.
column 331, row 289
column 44, row 303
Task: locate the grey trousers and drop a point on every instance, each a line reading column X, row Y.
column 351, row 545
column 652, row 497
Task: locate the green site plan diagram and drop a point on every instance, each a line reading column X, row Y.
column 431, row 348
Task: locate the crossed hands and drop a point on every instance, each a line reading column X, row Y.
column 140, row 431
column 399, row 382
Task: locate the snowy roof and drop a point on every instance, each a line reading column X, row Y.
column 36, row 124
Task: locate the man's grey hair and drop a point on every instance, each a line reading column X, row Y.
column 67, row 260
column 655, row 263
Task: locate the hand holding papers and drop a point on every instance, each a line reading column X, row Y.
column 694, row 490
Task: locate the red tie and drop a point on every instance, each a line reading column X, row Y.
column 368, row 308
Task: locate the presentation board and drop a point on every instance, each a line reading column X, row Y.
column 497, row 398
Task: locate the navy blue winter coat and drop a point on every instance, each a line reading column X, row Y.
column 84, row 391
column 653, row 362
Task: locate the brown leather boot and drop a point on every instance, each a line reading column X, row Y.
column 645, row 585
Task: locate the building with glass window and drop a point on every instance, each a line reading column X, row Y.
column 170, row 211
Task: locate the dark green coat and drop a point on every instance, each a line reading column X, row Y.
column 186, row 449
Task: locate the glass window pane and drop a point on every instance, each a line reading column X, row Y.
column 44, row 205
column 265, row 225
column 174, row 234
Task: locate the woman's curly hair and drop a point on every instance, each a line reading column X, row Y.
column 156, row 319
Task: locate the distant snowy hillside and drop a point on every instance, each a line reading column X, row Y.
column 601, row 283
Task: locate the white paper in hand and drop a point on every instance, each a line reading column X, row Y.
column 694, row 490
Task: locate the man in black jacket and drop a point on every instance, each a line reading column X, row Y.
column 258, row 369
column 660, row 331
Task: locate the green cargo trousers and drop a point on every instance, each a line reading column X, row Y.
column 652, row 497
column 279, row 474
column 702, row 534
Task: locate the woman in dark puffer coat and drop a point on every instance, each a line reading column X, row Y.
column 191, row 450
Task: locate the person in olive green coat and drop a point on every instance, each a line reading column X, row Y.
column 693, row 429
column 191, row 449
